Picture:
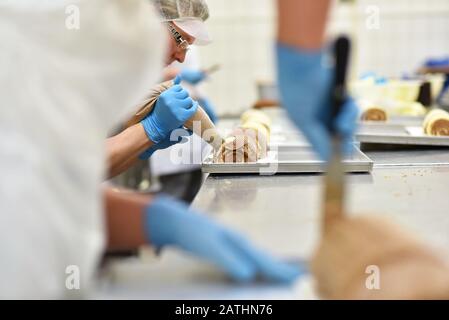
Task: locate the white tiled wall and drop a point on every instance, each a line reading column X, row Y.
column 243, row 32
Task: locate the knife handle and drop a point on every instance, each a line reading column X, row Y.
column 341, row 51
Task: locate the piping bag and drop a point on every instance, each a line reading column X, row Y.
column 334, row 180
column 200, row 123
column 212, row 69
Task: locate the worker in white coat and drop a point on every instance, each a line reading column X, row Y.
column 64, row 82
column 68, row 69
column 177, row 175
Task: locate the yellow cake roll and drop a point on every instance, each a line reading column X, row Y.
column 372, row 111
column 374, row 114
column 436, row 123
column 256, row 116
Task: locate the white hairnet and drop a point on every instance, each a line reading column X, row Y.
column 182, row 9
column 189, row 15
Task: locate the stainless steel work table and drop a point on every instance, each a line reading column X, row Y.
column 281, row 213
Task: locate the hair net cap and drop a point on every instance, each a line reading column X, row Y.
column 189, row 15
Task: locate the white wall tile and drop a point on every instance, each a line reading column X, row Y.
column 243, row 31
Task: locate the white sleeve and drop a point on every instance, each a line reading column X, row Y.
column 110, row 61
column 61, row 90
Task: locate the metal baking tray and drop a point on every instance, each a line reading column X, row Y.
column 398, row 134
column 300, row 159
column 397, row 120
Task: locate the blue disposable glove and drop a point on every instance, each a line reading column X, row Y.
column 170, row 223
column 192, row 76
column 176, row 136
column 305, row 87
column 173, row 107
column 437, row 62
column 209, row 108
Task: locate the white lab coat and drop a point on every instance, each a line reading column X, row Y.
column 61, row 89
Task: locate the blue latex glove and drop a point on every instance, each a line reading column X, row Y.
column 192, row 76
column 170, row 223
column 437, row 62
column 173, row 107
column 176, row 136
column 209, row 108
column 305, row 84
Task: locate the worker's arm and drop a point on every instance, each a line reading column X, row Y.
column 124, row 216
column 305, row 77
column 301, row 23
column 124, row 149
column 130, row 146
column 173, row 108
column 133, row 220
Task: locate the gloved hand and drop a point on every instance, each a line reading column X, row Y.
column 170, row 223
column 208, row 107
column 305, row 88
column 172, row 109
column 192, row 76
column 176, row 136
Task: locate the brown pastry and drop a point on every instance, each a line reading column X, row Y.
column 352, row 249
column 240, row 146
column 248, row 142
column 436, row 123
column 374, row 114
